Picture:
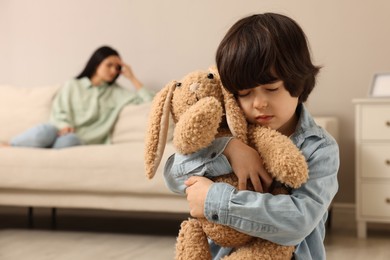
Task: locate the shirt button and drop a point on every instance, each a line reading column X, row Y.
column 213, row 154
column 214, row 217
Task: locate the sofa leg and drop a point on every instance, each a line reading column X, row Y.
column 30, row 217
column 53, row 218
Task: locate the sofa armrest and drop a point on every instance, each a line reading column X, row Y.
column 330, row 124
column 24, row 107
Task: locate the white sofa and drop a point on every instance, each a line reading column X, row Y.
column 109, row 177
column 91, row 177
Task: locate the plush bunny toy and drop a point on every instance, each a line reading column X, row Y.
column 203, row 110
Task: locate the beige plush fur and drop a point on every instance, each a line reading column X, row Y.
column 203, row 110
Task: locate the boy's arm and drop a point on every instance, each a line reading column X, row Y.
column 283, row 219
column 225, row 155
column 247, row 165
column 208, row 162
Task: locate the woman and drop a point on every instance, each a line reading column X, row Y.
column 86, row 108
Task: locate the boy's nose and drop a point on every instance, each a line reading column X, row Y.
column 260, row 103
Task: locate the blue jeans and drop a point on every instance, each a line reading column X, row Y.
column 45, row 136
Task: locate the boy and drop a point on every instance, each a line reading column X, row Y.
column 264, row 60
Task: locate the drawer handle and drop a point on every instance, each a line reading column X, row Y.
column 388, row 200
column 387, row 123
column 387, row 162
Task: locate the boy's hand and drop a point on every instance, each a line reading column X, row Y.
column 247, row 165
column 197, row 188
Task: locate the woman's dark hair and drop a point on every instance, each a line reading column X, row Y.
column 263, row 48
column 97, row 57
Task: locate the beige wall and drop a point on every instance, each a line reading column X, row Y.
column 47, row 41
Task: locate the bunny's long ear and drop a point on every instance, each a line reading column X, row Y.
column 157, row 132
column 235, row 117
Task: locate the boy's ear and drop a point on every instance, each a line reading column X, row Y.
column 156, row 137
column 235, row 117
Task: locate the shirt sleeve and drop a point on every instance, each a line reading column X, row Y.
column 140, row 96
column 208, row 162
column 61, row 113
column 145, row 94
column 283, row 219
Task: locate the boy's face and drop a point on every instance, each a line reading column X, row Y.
column 270, row 105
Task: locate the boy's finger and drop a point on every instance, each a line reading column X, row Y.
column 190, row 181
column 257, row 185
column 242, row 184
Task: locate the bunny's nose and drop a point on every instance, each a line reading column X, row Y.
column 194, row 87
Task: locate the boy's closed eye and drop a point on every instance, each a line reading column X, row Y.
column 272, row 89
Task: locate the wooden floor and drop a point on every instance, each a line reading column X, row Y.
column 84, row 235
column 341, row 241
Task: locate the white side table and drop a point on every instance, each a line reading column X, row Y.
column 372, row 162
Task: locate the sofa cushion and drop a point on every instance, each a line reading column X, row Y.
column 132, row 124
column 23, row 107
column 91, row 169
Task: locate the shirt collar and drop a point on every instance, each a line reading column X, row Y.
column 306, row 126
column 86, row 83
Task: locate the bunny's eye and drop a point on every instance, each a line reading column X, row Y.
column 210, row 75
column 178, row 84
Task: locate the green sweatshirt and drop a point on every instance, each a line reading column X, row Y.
column 92, row 110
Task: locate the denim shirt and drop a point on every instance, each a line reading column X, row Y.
column 297, row 219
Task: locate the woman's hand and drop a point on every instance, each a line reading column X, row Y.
column 128, row 73
column 126, row 70
column 65, row 130
column 197, row 189
column 247, row 165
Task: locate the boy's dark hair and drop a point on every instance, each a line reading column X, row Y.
column 264, row 48
column 97, row 57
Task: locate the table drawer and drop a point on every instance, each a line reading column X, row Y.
column 375, row 122
column 375, row 160
column 375, row 200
